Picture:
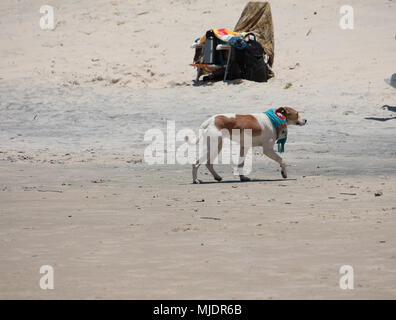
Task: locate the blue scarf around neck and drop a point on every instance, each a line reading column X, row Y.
column 280, row 124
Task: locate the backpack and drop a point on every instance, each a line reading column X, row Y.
column 251, row 62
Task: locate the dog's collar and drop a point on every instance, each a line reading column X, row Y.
column 279, row 122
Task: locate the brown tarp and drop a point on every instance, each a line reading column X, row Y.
column 257, row 18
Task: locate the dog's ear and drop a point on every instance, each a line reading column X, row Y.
column 281, row 110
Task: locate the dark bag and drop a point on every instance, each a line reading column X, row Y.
column 251, row 62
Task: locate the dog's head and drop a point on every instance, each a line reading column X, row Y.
column 292, row 116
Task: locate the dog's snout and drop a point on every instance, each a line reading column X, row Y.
column 302, row 122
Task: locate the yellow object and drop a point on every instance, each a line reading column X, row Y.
column 222, row 34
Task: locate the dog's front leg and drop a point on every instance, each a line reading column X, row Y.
column 270, row 153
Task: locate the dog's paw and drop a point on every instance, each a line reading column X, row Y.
column 197, row 181
column 284, row 174
column 218, row 178
column 244, row 178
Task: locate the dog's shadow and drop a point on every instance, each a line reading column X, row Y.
column 252, row 180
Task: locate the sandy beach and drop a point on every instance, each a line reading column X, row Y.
column 77, row 194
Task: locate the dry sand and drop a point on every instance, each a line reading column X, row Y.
column 76, row 193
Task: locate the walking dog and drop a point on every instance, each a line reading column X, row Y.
column 265, row 129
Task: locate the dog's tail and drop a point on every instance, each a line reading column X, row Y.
column 202, row 128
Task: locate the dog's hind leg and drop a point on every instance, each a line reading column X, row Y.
column 202, row 158
column 241, row 163
column 213, row 172
column 212, row 156
column 195, row 171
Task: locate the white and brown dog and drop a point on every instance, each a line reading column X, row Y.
column 263, row 134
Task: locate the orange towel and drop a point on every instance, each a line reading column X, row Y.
column 222, row 34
